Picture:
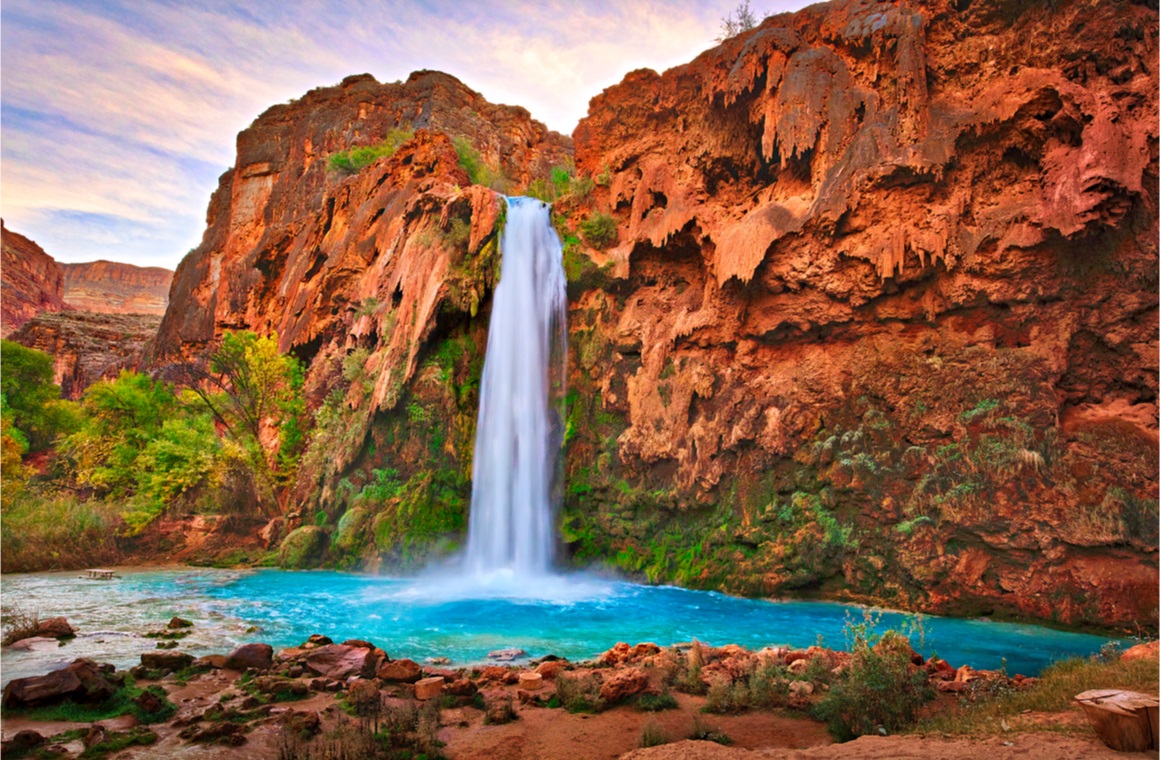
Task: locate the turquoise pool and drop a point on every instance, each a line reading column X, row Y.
column 575, row 617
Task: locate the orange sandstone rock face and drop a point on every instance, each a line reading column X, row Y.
column 335, row 263
column 880, row 319
column 31, row 281
column 109, row 287
column 889, row 267
column 87, row 346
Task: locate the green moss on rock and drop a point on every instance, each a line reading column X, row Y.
column 302, row 547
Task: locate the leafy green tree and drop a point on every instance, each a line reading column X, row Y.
column 13, row 446
column 121, row 418
column 251, row 388
column 31, row 398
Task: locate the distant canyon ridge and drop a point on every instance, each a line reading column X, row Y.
column 93, row 318
column 863, row 305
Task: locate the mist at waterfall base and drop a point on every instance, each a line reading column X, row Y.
column 502, row 593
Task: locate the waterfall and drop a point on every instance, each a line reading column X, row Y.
column 519, row 432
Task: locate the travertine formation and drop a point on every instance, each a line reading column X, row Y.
column 30, row 281
column 894, row 263
column 880, row 320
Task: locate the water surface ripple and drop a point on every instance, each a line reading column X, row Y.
column 573, row 617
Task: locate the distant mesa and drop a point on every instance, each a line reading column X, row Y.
column 108, row 287
column 33, row 282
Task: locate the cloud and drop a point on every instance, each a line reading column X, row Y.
column 118, row 117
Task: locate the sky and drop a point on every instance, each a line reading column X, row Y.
column 117, row 117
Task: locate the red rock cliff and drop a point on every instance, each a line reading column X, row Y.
column 31, row 281
column 110, row 287
column 337, row 263
column 880, row 321
column 885, row 291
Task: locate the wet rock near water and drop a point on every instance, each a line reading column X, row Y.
column 256, row 656
column 82, row 681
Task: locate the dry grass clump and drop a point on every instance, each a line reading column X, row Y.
column 1054, row 693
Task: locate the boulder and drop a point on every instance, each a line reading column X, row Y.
column 359, row 643
column 215, row 661
column 400, row 671
column 177, row 622
column 494, row 673
column 316, row 640
column 81, row 680
column 272, row 685
column 338, row 661
column 549, row 670
column 22, row 743
column 428, row 688
column 166, row 662
column 624, row 684
column 55, row 628
column 149, row 703
column 304, row 724
column 460, row 687
column 257, row 656
column 363, row 694
column 619, row 653
column 1141, row 651
column 35, row 644
column 531, row 681
column 506, row 655
column 801, row 688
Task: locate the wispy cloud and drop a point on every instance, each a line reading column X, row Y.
column 118, row 117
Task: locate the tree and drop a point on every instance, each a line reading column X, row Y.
column 250, row 388
column 120, row 419
column 741, row 19
column 31, row 399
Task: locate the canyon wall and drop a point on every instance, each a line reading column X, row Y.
column 30, row 281
column 87, row 346
column 109, row 287
column 878, row 321
column 881, row 318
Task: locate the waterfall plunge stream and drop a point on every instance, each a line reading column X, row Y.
column 519, row 430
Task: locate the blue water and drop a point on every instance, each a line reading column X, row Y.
column 575, row 618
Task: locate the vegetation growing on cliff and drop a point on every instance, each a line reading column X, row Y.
column 354, row 160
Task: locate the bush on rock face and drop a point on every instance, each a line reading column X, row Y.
column 301, row 547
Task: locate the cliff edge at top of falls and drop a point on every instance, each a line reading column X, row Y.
column 878, row 320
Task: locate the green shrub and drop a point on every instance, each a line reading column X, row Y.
column 579, row 694
column 499, row 710
column 354, row 160
column 656, row 702
column 478, row 172
column 727, row 697
column 769, row 686
column 599, row 230
column 877, row 691
column 29, row 399
column 652, row 735
column 54, row 532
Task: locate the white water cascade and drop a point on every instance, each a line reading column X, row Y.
column 519, row 431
